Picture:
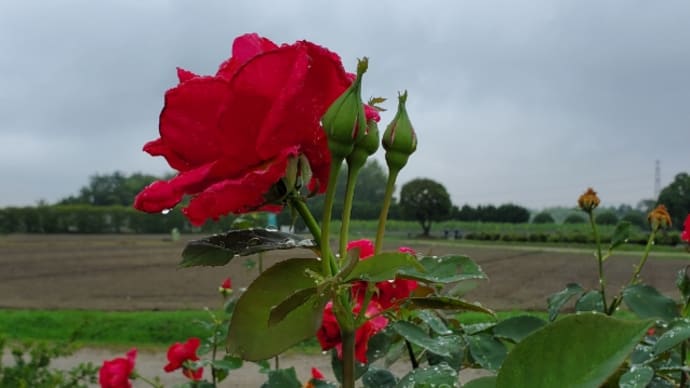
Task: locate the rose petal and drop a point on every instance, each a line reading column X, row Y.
column 244, row 48
column 238, row 195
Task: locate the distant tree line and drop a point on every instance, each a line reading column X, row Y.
column 104, row 205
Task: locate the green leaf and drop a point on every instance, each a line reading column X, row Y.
column 487, row 351
column 219, row 249
column 482, row 382
column 580, row 350
column 683, row 284
column 590, row 301
column 282, row 378
column 444, row 303
column 250, row 335
column 337, row 367
column 440, row 345
column 445, row 269
column 228, row 363
column 646, row 302
column 381, row 267
column 440, row 375
column 558, row 300
column 378, row 345
column 620, row 235
column 281, row 310
column 636, row 377
column 475, row 328
column 434, row 321
column 673, row 337
column 517, row 328
column 379, row 378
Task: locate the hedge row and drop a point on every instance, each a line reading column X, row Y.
column 97, row 219
column 671, row 238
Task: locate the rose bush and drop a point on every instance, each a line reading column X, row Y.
column 685, row 234
column 231, row 136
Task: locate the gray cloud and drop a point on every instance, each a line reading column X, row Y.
column 529, row 102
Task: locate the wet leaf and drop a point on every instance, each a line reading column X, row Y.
column 442, row 345
column 636, row 377
column 673, row 337
column 281, row 310
column 445, row 269
column 558, row 300
column 517, row 328
column 434, row 322
column 590, row 348
column 440, row 375
column 282, row 378
column 219, row 249
column 379, row 378
column 646, row 302
column 250, row 335
column 445, row 303
column 590, row 301
column 487, row 351
column 382, row 267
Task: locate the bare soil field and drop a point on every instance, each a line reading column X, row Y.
column 126, row 272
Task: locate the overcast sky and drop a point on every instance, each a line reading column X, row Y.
column 527, row 102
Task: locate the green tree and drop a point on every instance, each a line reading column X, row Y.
column 110, row 189
column 607, row 217
column 424, row 200
column 574, row 219
column 676, row 198
column 543, row 218
column 512, row 213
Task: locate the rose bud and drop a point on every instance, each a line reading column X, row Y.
column 588, row 201
column 345, row 121
column 659, row 218
column 365, row 147
column 399, row 139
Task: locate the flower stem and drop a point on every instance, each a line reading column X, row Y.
column 600, row 260
column 136, row 375
column 309, row 220
column 348, row 338
column 390, row 186
column 352, row 173
column 636, row 274
column 329, row 266
column 410, row 352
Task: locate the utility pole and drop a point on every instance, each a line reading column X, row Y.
column 657, row 179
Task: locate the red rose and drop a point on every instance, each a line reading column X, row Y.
column 316, row 374
column 366, row 247
column 116, row 373
column 180, row 353
column 227, row 284
column 685, row 235
column 389, row 292
column 329, row 332
column 231, row 135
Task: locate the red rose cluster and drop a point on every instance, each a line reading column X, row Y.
column 387, row 294
column 231, row 135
